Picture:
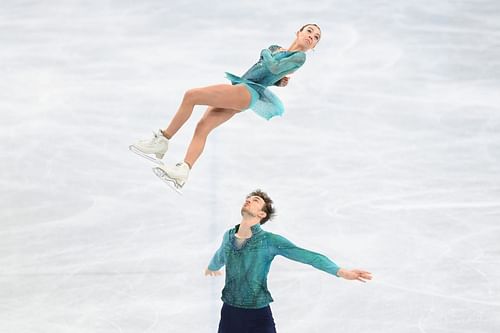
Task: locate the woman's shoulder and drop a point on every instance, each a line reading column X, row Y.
column 275, row 47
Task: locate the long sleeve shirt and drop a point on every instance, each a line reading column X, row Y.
column 247, row 266
column 273, row 65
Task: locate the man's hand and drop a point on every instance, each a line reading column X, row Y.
column 283, row 82
column 212, row 273
column 354, row 274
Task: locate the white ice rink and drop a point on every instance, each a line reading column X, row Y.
column 387, row 159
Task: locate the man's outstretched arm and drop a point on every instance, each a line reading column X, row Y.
column 282, row 246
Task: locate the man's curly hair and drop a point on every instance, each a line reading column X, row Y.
column 268, row 205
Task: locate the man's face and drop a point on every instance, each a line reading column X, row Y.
column 253, row 206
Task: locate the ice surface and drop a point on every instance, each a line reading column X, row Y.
column 387, row 159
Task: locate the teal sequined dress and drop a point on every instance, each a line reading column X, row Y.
column 247, row 267
column 273, row 65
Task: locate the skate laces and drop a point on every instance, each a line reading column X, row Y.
column 183, row 165
column 156, row 137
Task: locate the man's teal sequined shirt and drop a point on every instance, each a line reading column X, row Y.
column 247, row 267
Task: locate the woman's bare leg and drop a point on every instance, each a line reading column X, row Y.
column 212, row 118
column 221, row 96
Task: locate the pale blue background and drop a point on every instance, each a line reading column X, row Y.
column 387, row 158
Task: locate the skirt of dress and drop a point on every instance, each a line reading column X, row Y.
column 264, row 102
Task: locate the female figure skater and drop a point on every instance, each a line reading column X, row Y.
column 225, row 100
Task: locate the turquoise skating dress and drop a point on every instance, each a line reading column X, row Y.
column 273, row 65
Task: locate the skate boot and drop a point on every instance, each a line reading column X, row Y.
column 175, row 176
column 157, row 145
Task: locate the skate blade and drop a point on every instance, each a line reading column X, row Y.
column 160, row 173
column 134, row 149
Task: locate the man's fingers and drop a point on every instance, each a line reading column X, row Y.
column 363, row 277
column 360, row 271
column 213, row 273
column 365, row 274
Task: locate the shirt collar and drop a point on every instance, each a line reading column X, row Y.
column 255, row 228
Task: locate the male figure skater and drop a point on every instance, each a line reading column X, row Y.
column 247, row 252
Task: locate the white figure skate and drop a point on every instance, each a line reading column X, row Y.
column 175, row 176
column 158, row 145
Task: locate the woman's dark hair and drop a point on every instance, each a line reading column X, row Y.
column 304, row 26
column 268, row 205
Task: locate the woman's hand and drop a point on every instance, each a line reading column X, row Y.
column 283, row 82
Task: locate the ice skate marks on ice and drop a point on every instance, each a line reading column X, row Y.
column 136, row 150
column 160, row 173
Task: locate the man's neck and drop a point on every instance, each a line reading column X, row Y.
column 246, row 224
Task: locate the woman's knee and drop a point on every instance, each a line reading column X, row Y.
column 208, row 121
column 191, row 95
column 203, row 126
